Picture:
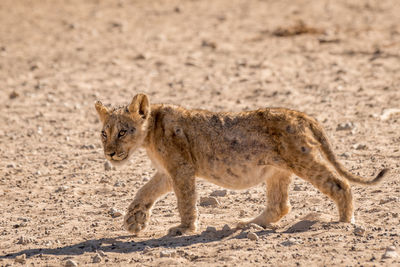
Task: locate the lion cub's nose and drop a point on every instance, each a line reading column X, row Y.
column 111, row 154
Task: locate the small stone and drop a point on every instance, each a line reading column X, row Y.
column 11, row 166
column 389, row 199
column 24, row 219
column 391, row 248
column 104, row 180
column 107, row 166
column 226, row 228
column 297, row 188
column 97, row 258
column 218, row 193
column 345, row 155
column 359, row 231
column 101, row 253
column 210, row 44
column 146, row 250
column 24, row 240
column 345, row 126
column 119, row 184
column 359, row 147
column 208, row 201
column 20, row 259
column 289, row 242
column 62, row 189
column 252, row 236
column 115, row 213
column 167, row 254
column 387, row 113
column 390, row 253
column 255, row 227
column 211, row 229
column 145, row 179
column 70, row 263
column 140, row 57
column 13, row 95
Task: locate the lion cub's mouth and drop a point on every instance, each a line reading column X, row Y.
column 118, row 158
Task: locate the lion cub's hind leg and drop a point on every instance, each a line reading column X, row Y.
column 278, row 204
column 319, row 174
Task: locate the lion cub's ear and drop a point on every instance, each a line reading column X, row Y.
column 103, row 112
column 140, row 105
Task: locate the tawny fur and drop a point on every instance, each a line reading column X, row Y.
column 233, row 150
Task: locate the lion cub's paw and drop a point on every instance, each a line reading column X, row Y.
column 136, row 219
column 181, row 230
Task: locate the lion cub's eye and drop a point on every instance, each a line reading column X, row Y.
column 121, row 133
column 104, row 134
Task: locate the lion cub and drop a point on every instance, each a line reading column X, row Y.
column 233, row 150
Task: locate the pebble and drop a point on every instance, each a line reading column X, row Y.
column 208, row 201
column 389, row 199
column 97, row 258
column 24, row 219
column 20, row 259
column 91, row 146
column 13, row 95
column 167, row 254
column 62, row 189
column 11, row 166
column 101, row 253
column 104, row 180
column 119, row 184
column 255, row 227
column 252, row 236
column 70, row 263
column 107, row 166
column 345, row 126
column 359, row 147
column 390, row 253
column 289, row 242
column 359, row 231
column 345, row 155
column 115, row 213
column 296, row 188
column 147, row 250
column 387, row 113
column 24, row 240
column 211, row 229
column 218, row 193
column 226, row 228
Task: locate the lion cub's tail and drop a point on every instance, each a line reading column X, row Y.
column 327, row 150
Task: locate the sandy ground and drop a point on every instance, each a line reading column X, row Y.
column 338, row 61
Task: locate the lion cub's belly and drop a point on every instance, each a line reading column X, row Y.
column 234, row 176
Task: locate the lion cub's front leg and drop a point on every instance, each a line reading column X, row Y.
column 139, row 210
column 185, row 191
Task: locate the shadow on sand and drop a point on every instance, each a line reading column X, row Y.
column 124, row 244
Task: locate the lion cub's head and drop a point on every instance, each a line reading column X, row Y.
column 124, row 128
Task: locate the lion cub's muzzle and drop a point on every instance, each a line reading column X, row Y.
column 113, row 156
